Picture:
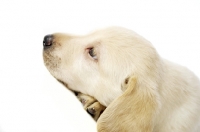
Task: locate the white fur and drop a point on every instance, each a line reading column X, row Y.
column 120, row 53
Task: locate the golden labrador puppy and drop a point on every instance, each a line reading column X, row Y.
column 142, row 91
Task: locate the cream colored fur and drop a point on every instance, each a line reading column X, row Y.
column 160, row 96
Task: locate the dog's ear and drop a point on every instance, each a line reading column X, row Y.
column 133, row 111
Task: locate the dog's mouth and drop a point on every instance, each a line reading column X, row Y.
column 68, row 87
column 51, row 61
column 65, row 84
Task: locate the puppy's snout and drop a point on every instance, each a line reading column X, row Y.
column 48, row 41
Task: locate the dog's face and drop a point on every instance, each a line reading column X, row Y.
column 97, row 64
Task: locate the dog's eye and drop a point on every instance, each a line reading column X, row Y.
column 92, row 53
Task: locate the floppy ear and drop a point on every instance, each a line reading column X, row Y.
column 133, row 111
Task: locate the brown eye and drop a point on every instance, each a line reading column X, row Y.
column 126, row 80
column 92, row 53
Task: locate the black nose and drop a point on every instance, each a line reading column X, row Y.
column 48, row 40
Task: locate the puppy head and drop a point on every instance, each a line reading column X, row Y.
column 98, row 63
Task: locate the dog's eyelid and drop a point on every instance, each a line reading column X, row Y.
column 92, row 53
column 126, row 80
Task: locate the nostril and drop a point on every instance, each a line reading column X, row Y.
column 48, row 39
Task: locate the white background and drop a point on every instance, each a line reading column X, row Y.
column 31, row 100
